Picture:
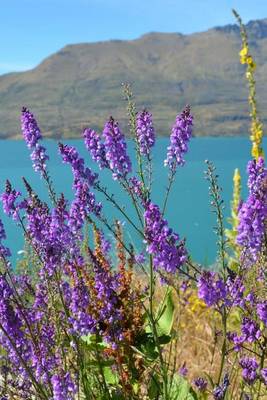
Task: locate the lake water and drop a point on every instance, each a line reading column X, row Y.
column 188, row 209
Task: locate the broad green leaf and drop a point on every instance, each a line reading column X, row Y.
column 165, row 315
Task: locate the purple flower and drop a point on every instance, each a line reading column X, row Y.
column 220, row 390
column 201, row 384
column 63, row 387
column 116, row 150
column 139, row 258
column 250, row 330
column 211, row 288
column 32, row 134
column 145, row 132
column 105, row 244
column 183, row 371
column 4, row 251
column 71, row 156
column 39, row 158
column 136, row 188
column 96, row 148
column 264, row 375
column 262, row 311
column 235, row 291
column 250, row 367
column 9, row 200
column 83, row 204
column 237, row 340
column 169, row 253
column 180, row 135
column 252, row 214
column 30, row 128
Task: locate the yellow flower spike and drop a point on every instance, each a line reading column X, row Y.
column 236, row 191
column 231, row 234
column 256, row 131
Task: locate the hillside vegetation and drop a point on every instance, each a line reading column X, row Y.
column 80, row 85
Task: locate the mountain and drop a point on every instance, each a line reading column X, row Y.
column 80, row 85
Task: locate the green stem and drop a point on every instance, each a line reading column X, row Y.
column 51, row 191
column 154, row 330
column 126, row 186
column 224, row 345
column 100, row 366
column 114, row 202
column 171, row 180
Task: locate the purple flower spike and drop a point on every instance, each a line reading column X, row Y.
column 145, row 132
column 180, row 136
column 32, row 134
column 169, row 253
column 116, row 150
column 95, row 147
column 253, row 212
column 4, row 251
column 9, row 199
column 30, row 128
column 71, row 156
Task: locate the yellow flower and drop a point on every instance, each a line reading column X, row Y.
column 251, row 63
column 244, row 52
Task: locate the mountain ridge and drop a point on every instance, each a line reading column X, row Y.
column 80, row 85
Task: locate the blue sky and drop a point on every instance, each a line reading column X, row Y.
column 31, row 30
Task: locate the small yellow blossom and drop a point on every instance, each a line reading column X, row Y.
column 244, row 51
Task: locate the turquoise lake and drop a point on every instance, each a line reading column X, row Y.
column 188, row 209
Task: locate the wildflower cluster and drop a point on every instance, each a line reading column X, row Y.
column 83, row 319
column 78, row 308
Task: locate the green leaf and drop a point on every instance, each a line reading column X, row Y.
column 164, row 339
column 146, row 346
column 93, row 342
column 165, row 315
column 110, row 376
column 181, row 390
column 103, row 363
column 154, row 387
